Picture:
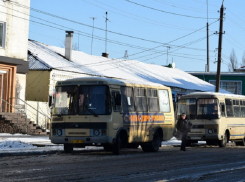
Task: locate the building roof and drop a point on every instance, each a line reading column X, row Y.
column 214, row 94
column 214, row 73
column 45, row 57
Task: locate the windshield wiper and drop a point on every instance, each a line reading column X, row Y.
column 63, row 110
column 89, row 110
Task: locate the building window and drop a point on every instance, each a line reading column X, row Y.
column 2, row 34
column 234, row 87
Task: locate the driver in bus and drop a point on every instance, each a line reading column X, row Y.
column 214, row 109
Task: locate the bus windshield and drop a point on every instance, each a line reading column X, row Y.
column 83, row 100
column 207, row 109
column 187, row 106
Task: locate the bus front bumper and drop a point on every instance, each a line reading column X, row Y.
column 204, row 137
column 80, row 140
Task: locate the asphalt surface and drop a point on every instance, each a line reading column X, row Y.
column 198, row 163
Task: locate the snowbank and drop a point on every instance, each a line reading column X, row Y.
column 13, row 144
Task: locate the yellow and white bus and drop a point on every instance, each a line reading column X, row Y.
column 217, row 118
column 111, row 113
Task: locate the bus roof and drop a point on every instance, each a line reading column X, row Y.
column 213, row 94
column 110, row 81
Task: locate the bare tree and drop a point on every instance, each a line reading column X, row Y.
column 243, row 59
column 233, row 61
column 75, row 46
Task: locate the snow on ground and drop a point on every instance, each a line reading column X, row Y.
column 26, row 143
column 14, row 144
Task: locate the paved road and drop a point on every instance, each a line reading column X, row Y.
column 198, row 163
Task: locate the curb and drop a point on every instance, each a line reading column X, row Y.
column 7, row 154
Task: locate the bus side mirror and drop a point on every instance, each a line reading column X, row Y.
column 118, row 99
column 223, row 108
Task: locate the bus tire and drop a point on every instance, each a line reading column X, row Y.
column 223, row 142
column 68, row 148
column 117, row 146
column 154, row 145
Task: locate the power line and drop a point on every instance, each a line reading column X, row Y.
column 117, row 33
column 166, row 11
column 145, row 20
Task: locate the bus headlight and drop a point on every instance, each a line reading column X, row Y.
column 96, row 132
column 210, row 131
column 59, row 132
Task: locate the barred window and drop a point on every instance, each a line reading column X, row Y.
column 140, row 100
column 152, row 100
column 234, row 87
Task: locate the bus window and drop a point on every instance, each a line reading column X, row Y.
column 164, row 100
column 242, row 104
column 229, row 109
column 140, row 100
column 236, row 108
column 127, row 99
column 94, row 100
column 222, row 109
column 66, row 100
column 187, row 106
column 116, row 97
column 207, row 109
column 152, row 100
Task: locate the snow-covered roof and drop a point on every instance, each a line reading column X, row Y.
column 45, row 57
column 214, row 73
column 214, row 94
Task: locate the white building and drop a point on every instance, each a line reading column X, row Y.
column 14, row 27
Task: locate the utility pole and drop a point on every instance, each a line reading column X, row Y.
column 92, row 35
column 207, row 41
column 219, row 48
column 168, row 47
column 106, row 19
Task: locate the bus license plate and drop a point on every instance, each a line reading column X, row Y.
column 196, row 138
column 77, row 141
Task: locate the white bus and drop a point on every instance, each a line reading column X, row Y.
column 217, row 118
column 111, row 113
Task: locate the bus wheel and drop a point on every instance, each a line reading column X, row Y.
column 68, row 148
column 117, row 146
column 154, row 145
column 222, row 143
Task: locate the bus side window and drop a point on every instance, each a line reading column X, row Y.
column 116, row 96
column 127, row 99
column 222, row 108
column 236, row 108
column 152, row 100
column 229, row 108
column 242, row 104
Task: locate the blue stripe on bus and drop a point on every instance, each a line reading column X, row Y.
column 238, row 135
column 235, row 124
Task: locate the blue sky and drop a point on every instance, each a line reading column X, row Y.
column 154, row 26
